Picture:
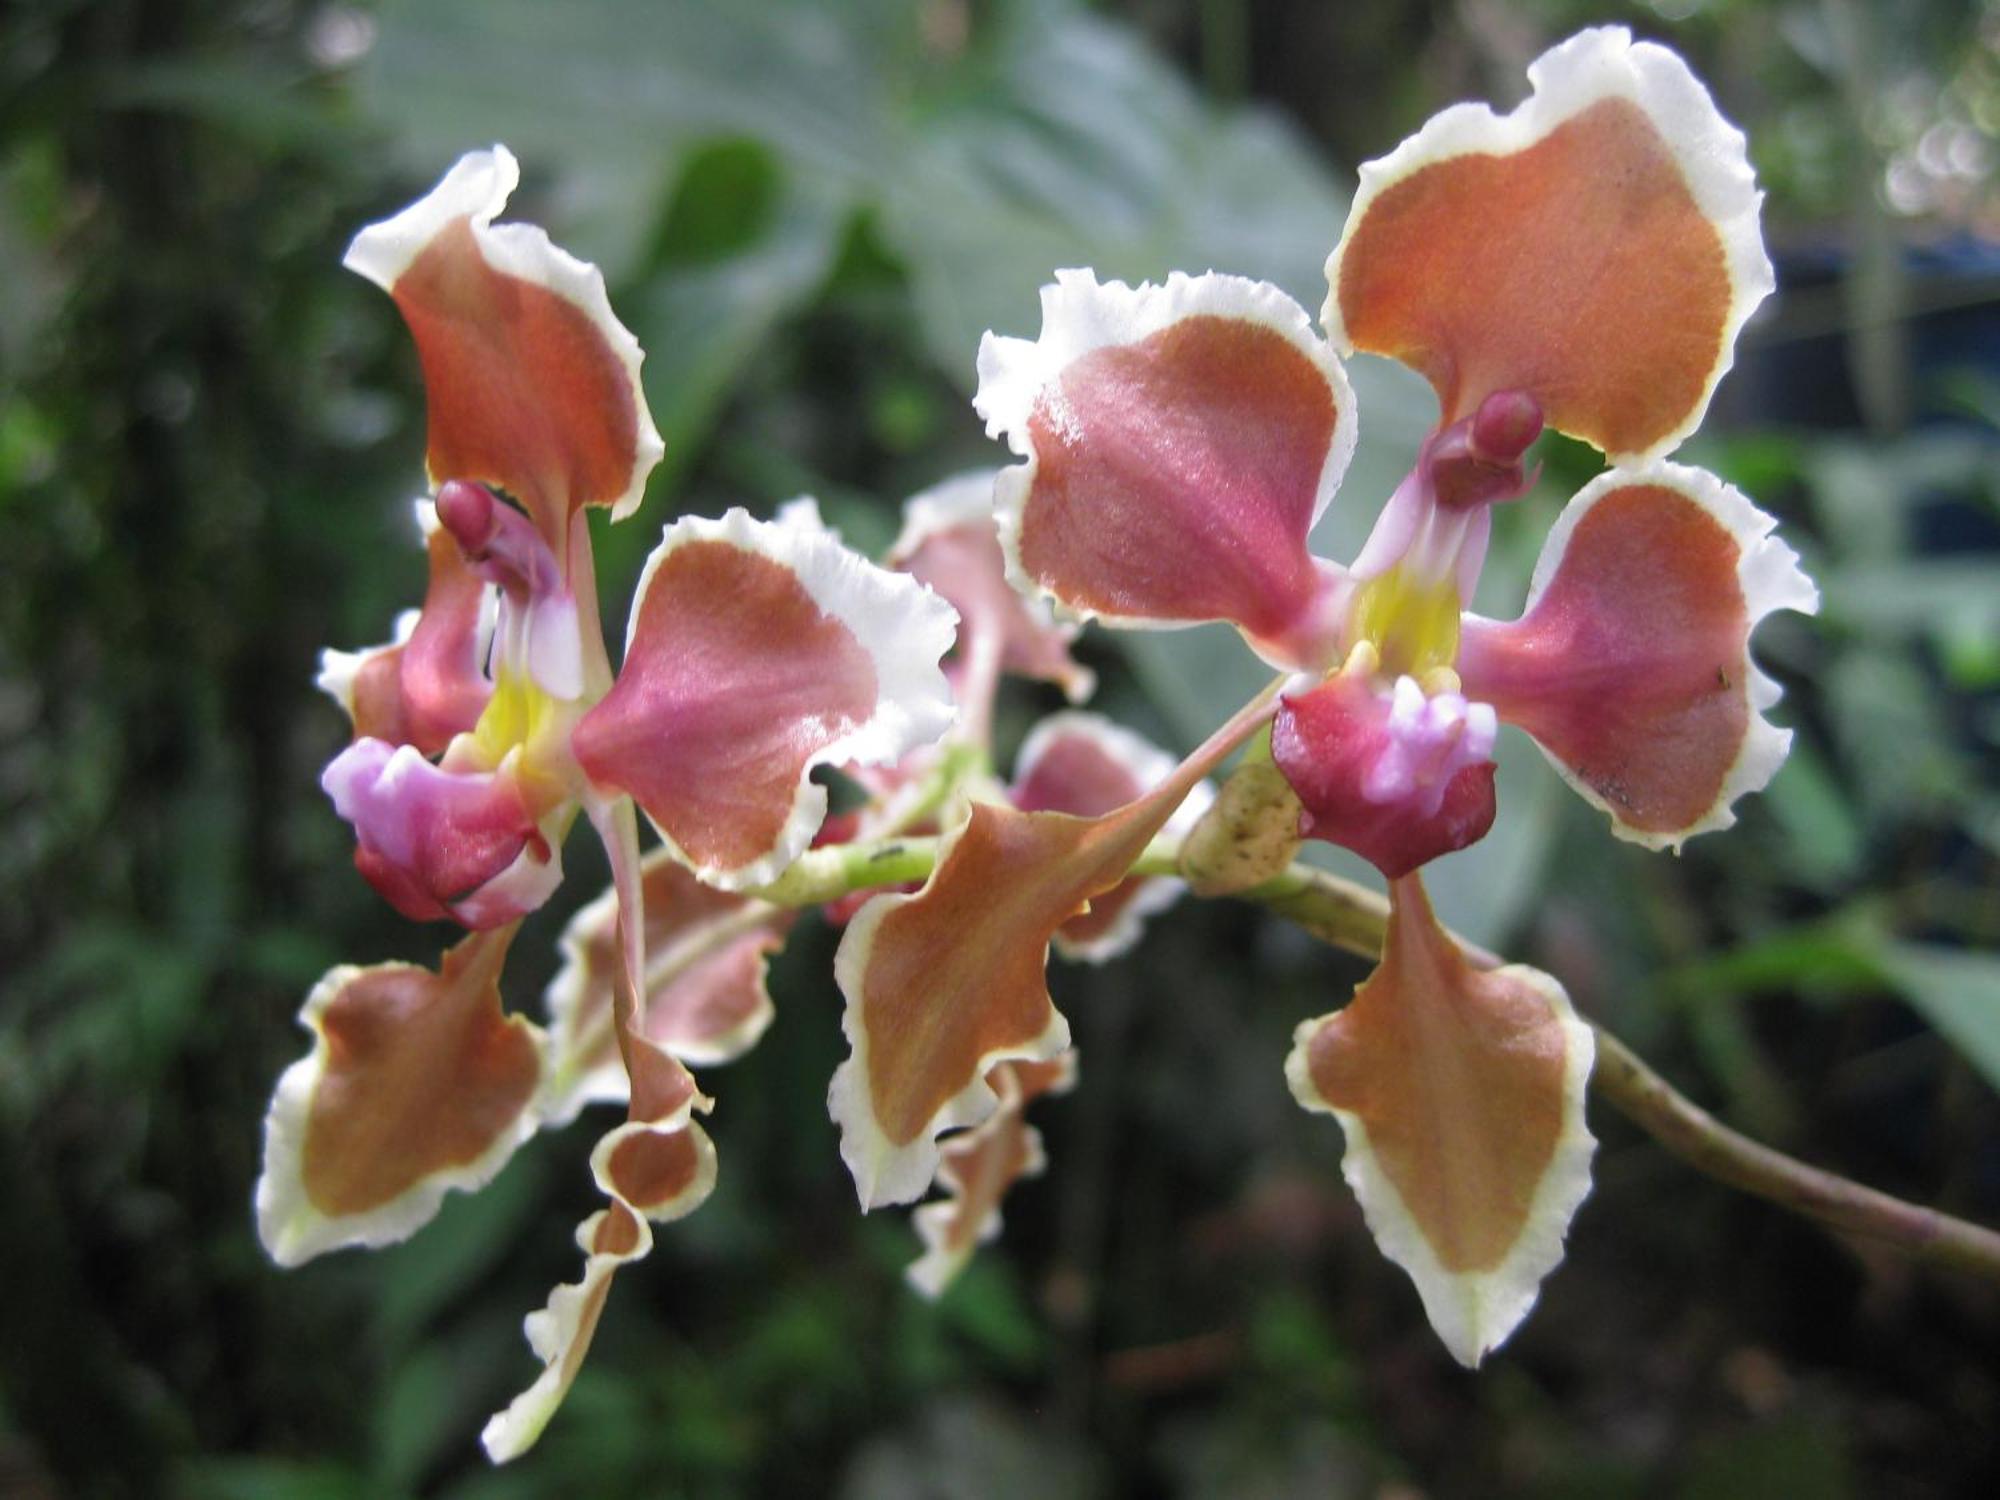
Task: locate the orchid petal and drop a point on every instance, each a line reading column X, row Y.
column 1461, row 1096
column 1597, row 249
column 417, row 1084
column 532, row 382
column 653, row 1171
column 656, row 1167
column 1085, row 764
column 1181, row 440
column 429, row 683
column 1631, row 665
column 978, row 1167
column 949, row 543
column 705, row 999
column 945, row 984
column 756, row 652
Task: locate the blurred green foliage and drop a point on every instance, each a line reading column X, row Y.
column 809, row 213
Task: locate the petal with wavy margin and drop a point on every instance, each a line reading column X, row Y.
column 655, row 1171
column 950, row 543
column 532, row 382
column 705, row 999
column 1631, row 665
column 417, row 1084
column 1181, row 440
column 1083, row 763
column 756, row 652
column 1598, row 248
column 1461, row 1095
column 979, row 1166
column 945, row 984
column 430, row 682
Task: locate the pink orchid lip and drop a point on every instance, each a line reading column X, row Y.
column 441, row 844
column 1399, row 777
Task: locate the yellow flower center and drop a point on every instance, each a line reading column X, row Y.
column 1411, row 622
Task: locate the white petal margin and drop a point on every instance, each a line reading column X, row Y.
column 1769, row 574
column 885, row 1172
column 1148, row 765
column 967, row 500
column 1594, row 65
column 942, row 1261
column 904, row 627
column 560, row 1332
column 1473, row 1312
column 292, row 1230
column 476, row 189
column 1081, row 314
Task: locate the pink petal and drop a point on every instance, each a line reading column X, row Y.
column 430, row 684
column 1631, row 667
column 950, row 543
column 1181, row 442
column 705, row 1000
column 757, row 652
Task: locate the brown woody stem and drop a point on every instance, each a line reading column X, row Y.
column 1353, row 918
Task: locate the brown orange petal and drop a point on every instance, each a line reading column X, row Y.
column 978, row 1166
column 1461, row 1096
column 417, row 1084
column 945, row 984
column 532, row 382
column 1598, row 248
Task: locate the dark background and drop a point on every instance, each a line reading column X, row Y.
column 209, row 434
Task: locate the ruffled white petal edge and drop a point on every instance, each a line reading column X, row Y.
column 1149, row 765
column 966, row 500
column 1769, row 574
column 1080, row 314
column 1473, row 1312
column 292, row 1230
column 569, row 1319
column 883, row 1171
column 904, row 627
column 476, row 189
column 606, row 1082
column 1601, row 63
column 941, row 1262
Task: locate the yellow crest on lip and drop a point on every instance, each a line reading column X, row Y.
column 1412, row 623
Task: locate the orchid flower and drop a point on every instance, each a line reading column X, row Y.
column 1585, row 262
column 755, row 652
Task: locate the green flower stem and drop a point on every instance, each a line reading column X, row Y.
column 1353, row 918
